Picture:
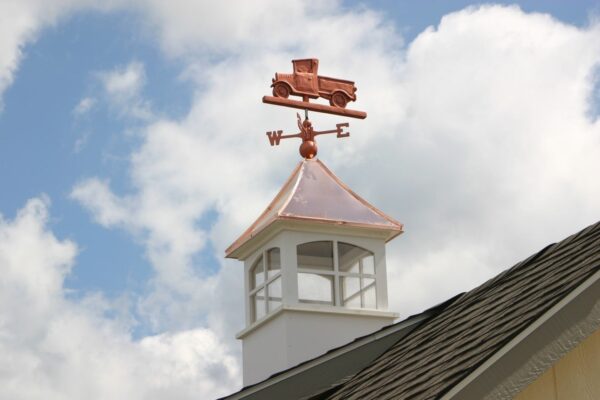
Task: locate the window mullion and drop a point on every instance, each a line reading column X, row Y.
column 360, row 283
column 336, row 277
column 271, row 279
column 316, row 271
column 265, row 282
column 256, row 289
column 362, row 292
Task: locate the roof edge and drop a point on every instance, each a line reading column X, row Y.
column 360, row 199
column 547, row 336
column 246, row 235
column 414, row 322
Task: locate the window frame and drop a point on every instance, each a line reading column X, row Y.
column 337, row 274
column 266, row 282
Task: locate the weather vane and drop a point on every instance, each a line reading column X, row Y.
column 305, row 82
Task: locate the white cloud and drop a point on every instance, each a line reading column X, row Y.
column 125, row 81
column 107, row 208
column 123, row 86
column 20, row 23
column 54, row 347
column 84, row 106
column 81, row 141
column 195, row 28
column 495, row 154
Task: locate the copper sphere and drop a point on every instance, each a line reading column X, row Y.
column 308, row 149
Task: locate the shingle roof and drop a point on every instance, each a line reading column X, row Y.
column 446, row 348
column 330, row 375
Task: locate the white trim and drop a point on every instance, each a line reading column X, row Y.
column 264, row 283
column 316, row 308
column 337, row 301
column 521, row 336
column 270, row 231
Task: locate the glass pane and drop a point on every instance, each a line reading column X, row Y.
column 258, row 302
column 368, row 264
column 273, row 262
column 352, row 302
column 274, row 293
column 349, row 267
column 316, row 255
column 366, row 282
column 350, row 286
column 257, row 275
column 314, row 288
column 274, row 303
column 350, row 291
column 370, row 297
column 349, row 257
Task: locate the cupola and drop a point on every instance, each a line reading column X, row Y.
column 314, row 272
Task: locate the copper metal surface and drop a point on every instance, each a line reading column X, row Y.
column 308, row 148
column 305, row 105
column 313, row 193
column 306, row 83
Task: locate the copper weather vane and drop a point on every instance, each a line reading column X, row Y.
column 305, row 82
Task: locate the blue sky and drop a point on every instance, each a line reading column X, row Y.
column 40, row 132
column 40, row 129
column 125, row 122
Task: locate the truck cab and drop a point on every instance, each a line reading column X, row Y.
column 306, row 78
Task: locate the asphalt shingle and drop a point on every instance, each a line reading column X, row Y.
column 446, row 348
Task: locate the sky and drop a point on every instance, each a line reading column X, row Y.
column 133, row 152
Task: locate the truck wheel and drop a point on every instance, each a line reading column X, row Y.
column 281, row 90
column 339, row 99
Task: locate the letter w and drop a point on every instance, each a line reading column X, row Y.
column 274, row 137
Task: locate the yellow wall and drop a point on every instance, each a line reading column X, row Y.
column 576, row 376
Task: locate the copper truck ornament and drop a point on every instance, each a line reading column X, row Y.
column 306, row 83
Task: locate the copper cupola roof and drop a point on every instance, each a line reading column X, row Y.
column 314, row 193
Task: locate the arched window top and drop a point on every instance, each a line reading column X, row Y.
column 265, row 283
column 347, row 280
column 257, row 273
column 273, row 262
column 316, row 255
column 357, row 276
column 355, row 259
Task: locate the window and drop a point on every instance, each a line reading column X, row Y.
column 347, row 280
column 357, row 276
column 265, row 284
column 315, row 272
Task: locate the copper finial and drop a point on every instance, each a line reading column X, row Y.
column 308, row 148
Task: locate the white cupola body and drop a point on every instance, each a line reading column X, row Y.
column 314, row 272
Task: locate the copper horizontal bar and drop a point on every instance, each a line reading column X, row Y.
column 304, row 105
